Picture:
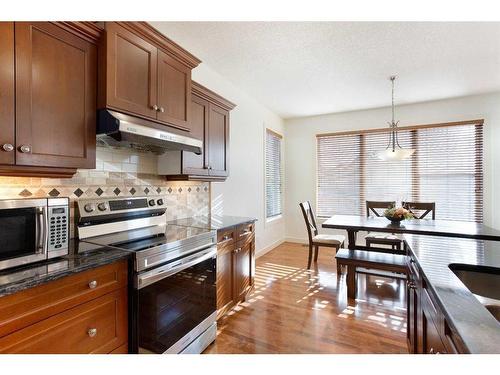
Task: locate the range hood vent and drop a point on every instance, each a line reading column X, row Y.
column 118, row 130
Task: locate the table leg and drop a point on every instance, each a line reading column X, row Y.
column 351, row 239
column 351, row 282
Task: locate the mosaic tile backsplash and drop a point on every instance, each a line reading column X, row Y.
column 118, row 173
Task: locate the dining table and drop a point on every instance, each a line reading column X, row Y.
column 444, row 228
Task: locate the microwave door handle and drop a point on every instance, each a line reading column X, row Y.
column 41, row 229
column 145, row 280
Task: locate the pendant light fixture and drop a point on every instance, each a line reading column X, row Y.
column 393, row 150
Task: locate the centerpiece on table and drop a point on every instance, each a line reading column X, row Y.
column 397, row 214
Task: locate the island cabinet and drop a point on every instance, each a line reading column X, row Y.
column 143, row 73
column 48, row 99
column 235, row 265
column 82, row 313
column 428, row 331
column 210, row 123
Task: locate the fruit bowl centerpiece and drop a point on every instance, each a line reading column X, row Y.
column 397, row 214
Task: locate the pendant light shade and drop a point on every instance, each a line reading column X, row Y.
column 393, row 150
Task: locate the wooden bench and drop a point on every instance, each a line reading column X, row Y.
column 368, row 259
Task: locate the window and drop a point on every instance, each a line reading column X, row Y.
column 446, row 168
column 273, row 174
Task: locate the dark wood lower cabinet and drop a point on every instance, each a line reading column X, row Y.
column 235, row 266
column 428, row 331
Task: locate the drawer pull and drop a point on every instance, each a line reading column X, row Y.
column 93, row 284
column 245, row 232
column 92, row 332
column 226, row 237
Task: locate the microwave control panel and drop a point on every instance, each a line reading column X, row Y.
column 58, row 221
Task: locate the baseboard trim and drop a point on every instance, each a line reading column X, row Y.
column 296, row 240
column 267, row 249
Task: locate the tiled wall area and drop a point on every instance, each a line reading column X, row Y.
column 118, row 173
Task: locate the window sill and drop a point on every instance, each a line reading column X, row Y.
column 274, row 219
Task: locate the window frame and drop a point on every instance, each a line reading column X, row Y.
column 279, row 216
column 476, row 122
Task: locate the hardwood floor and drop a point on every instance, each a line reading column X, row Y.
column 295, row 310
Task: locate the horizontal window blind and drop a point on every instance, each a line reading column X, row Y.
column 273, row 174
column 446, row 168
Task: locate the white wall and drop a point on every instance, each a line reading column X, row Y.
column 300, row 143
column 242, row 194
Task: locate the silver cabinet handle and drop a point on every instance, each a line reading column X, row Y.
column 25, row 149
column 93, row 284
column 92, row 332
column 237, row 250
column 7, row 147
column 162, row 109
column 155, row 107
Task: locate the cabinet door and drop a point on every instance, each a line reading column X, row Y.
column 431, row 339
column 192, row 163
column 225, row 273
column 412, row 316
column 131, row 72
column 55, row 97
column 243, row 269
column 174, row 92
column 7, row 125
column 218, row 141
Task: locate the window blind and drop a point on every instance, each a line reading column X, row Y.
column 446, row 168
column 273, row 174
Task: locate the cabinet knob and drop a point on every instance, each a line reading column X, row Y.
column 25, row 149
column 162, row 109
column 7, row 147
column 155, row 107
column 237, row 250
column 93, row 284
column 92, row 332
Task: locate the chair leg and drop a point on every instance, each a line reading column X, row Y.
column 368, row 243
column 309, row 259
column 316, row 253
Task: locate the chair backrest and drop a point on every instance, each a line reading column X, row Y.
column 308, row 213
column 373, row 206
column 416, row 207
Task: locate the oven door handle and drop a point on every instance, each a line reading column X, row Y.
column 161, row 273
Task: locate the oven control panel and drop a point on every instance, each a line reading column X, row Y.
column 106, row 206
column 58, row 225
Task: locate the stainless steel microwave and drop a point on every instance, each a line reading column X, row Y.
column 32, row 230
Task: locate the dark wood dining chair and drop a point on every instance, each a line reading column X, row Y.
column 421, row 209
column 316, row 240
column 377, row 208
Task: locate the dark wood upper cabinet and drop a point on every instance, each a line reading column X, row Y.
column 196, row 164
column 218, row 142
column 7, row 124
column 55, row 97
column 131, row 67
column 143, row 73
column 54, row 106
column 210, row 123
column 174, row 91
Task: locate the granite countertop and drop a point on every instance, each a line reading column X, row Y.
column 212, row 222
column 79, row 259
column 478, row 329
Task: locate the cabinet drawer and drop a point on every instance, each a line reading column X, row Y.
column 245, row 230
column 98, row 326
column 226, row 236
column 33, row 305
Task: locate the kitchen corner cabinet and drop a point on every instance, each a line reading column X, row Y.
column 83, row 313
column 210, row 123
column 428, row 331
column 48, row 99
column 145, row 74
column 235, row 266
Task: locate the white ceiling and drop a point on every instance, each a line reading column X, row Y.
column 309, row 68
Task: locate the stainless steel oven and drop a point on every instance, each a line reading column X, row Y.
column 33, row 230
column 176, row 305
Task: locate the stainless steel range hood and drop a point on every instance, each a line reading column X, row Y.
column 119, row 130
